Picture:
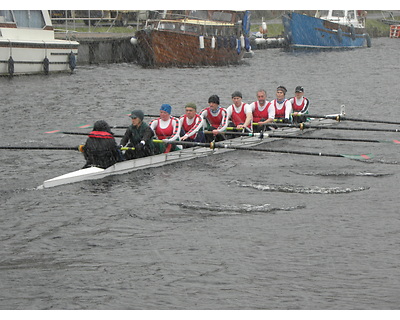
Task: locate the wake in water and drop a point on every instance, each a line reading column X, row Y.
column 376, row 160
column 385, row 161
column 235, row 209
column 342, row 174
column 301, row 189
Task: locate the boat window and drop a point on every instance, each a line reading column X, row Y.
column 337, row 13
column 167, row 26
column 199, row 14
column 350, row 15
column 6, row 16
column 189, row 28
column 29, row 18
column 322, row 13
column 222, row 16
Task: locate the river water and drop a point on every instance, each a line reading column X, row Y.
column 240, row 230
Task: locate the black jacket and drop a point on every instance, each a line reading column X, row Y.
column 134, row 135
column 100, row 149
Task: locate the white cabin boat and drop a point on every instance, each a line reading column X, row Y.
column 28, row 45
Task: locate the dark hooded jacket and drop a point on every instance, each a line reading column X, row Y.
column 100, row 149
column 134, row 135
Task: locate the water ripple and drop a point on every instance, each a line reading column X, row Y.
column 343, row 174
column 301, row 189
column 237, row 209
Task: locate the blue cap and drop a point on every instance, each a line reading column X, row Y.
column 166, row 107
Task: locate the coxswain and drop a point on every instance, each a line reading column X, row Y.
column 263, row 111
column 100, row 149
column 240, row 113
column 138, row 135
column 282, row 106
column 191, row 125
column 215, row 119
column 166, row 128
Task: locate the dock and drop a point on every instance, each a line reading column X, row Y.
column 105, row 47
column 101, row 47
column 267, row 43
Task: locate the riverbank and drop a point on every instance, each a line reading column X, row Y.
column 374, row 26
column 113, row 45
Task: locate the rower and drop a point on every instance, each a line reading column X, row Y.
column 240, row 113
column 166, row 128
column 283, row 107
column 300, row 105
column 100, row 149
column 263, row 111
column 215, row 119
column 191, row 125
column 140, row 136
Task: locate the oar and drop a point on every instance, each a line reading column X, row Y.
column 76, row 148
column 340, row 117
column 244, row 134
column 153, row 115
column 227, row 146
column 82, row 126
column 85, row 134
column 40, row 148
column 264, row 135
column 210, row 145
column 303, row 126
column 78, row 133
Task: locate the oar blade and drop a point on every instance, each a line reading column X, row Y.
column 84, row 126
column 366, row 156
column 54, row 131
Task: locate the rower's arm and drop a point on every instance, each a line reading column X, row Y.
column 225, row 117
column 148, row 134
column 249, row 119
column 288, row 109
column 125, row 138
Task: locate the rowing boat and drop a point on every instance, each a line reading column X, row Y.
column 94, row 173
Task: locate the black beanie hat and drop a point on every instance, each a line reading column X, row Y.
column 214, row 99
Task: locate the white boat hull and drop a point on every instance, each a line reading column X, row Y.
column 33, row 49
column 142, row 163
column 94, row 173
column 28, row 57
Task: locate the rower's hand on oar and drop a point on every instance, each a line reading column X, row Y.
column 215, row 132
column 299, row 117
column 139, row 147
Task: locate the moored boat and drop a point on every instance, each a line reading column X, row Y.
column 194, row 38
column 328, row 29
column 28, row 45
column 94, row 173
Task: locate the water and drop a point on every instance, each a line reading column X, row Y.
column 241, row 230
